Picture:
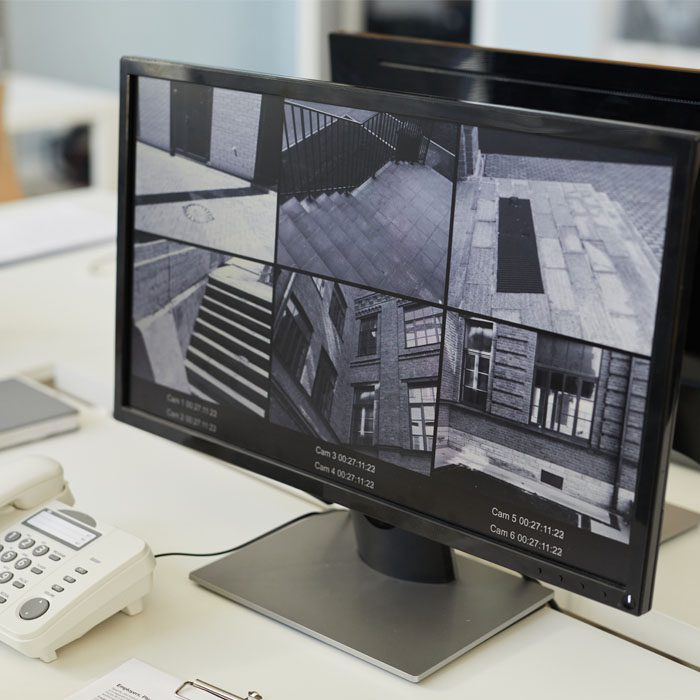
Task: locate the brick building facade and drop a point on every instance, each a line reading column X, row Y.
column 235, row 125
column 556, row 417
column 356, row 368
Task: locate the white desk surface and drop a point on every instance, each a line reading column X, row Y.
column 177, row 499
column 57, row 312
column 673, row 623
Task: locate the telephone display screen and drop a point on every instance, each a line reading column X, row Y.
column 61, row 529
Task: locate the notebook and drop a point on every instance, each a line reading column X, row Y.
column 30, row 412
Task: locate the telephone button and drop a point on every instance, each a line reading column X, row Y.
column 54, row 557
column 12, row 536
column 37, row 570
column 9, row 555
column 18, row 584
column 40, row 550
column 2, row 600
column 69, row 579
column 2, row 546
column 80, row 570
column 6, row 576
column 26, row 543
column 57, row 588
column 33, row 608
column 23, row 563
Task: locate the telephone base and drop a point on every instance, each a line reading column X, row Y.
column 49, row 656
column 131, row 599
column 82, row 571
column 134, row 608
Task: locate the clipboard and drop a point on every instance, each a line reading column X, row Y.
column 201, row 690
column 139, row 679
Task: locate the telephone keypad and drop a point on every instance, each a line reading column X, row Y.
column 11, row 587
column 24, row 542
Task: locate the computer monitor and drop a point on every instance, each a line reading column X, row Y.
column 643, row 94
column 321, row 284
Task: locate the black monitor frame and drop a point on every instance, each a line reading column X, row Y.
column 635, row 594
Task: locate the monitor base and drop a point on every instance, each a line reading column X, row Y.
column 310, row 577
column 677, row 521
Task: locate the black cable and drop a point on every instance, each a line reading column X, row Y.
column 255, row 539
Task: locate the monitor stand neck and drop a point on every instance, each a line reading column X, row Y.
column 392, row 598
column 401, row 554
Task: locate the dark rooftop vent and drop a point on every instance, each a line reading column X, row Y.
column 518, row 263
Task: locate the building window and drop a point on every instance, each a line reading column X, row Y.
column 293, row 336
column 422, row 325
column 369, row 330
column 478, row 342
column 565, row 386
column 337, row 309
column 421, row 400
column 324, row 385
column 364, row 414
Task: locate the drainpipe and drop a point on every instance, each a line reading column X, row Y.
column 623, row 438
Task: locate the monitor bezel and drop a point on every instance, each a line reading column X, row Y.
column 667, row 346
column 381, row 57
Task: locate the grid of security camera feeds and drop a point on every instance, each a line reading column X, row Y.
column 451, row 317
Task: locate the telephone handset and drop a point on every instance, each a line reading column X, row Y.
column 27, row 482
column 62, row 571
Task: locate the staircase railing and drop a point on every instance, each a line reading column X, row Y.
column 324, row 153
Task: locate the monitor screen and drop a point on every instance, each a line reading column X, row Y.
column 458, row 317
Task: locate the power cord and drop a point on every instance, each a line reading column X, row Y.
column 249, row 542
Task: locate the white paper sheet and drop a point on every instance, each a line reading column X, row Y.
column 52, row 223
column 136, row 680
column 133, row 680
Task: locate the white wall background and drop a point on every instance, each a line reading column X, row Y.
column 82, row 40
column 573, row 27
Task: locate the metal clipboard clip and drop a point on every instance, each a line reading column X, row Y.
column 202, row 688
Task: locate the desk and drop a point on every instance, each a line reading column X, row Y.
column 57, row 313
column 673, row 624
column 40, row 104
column 175, row 498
